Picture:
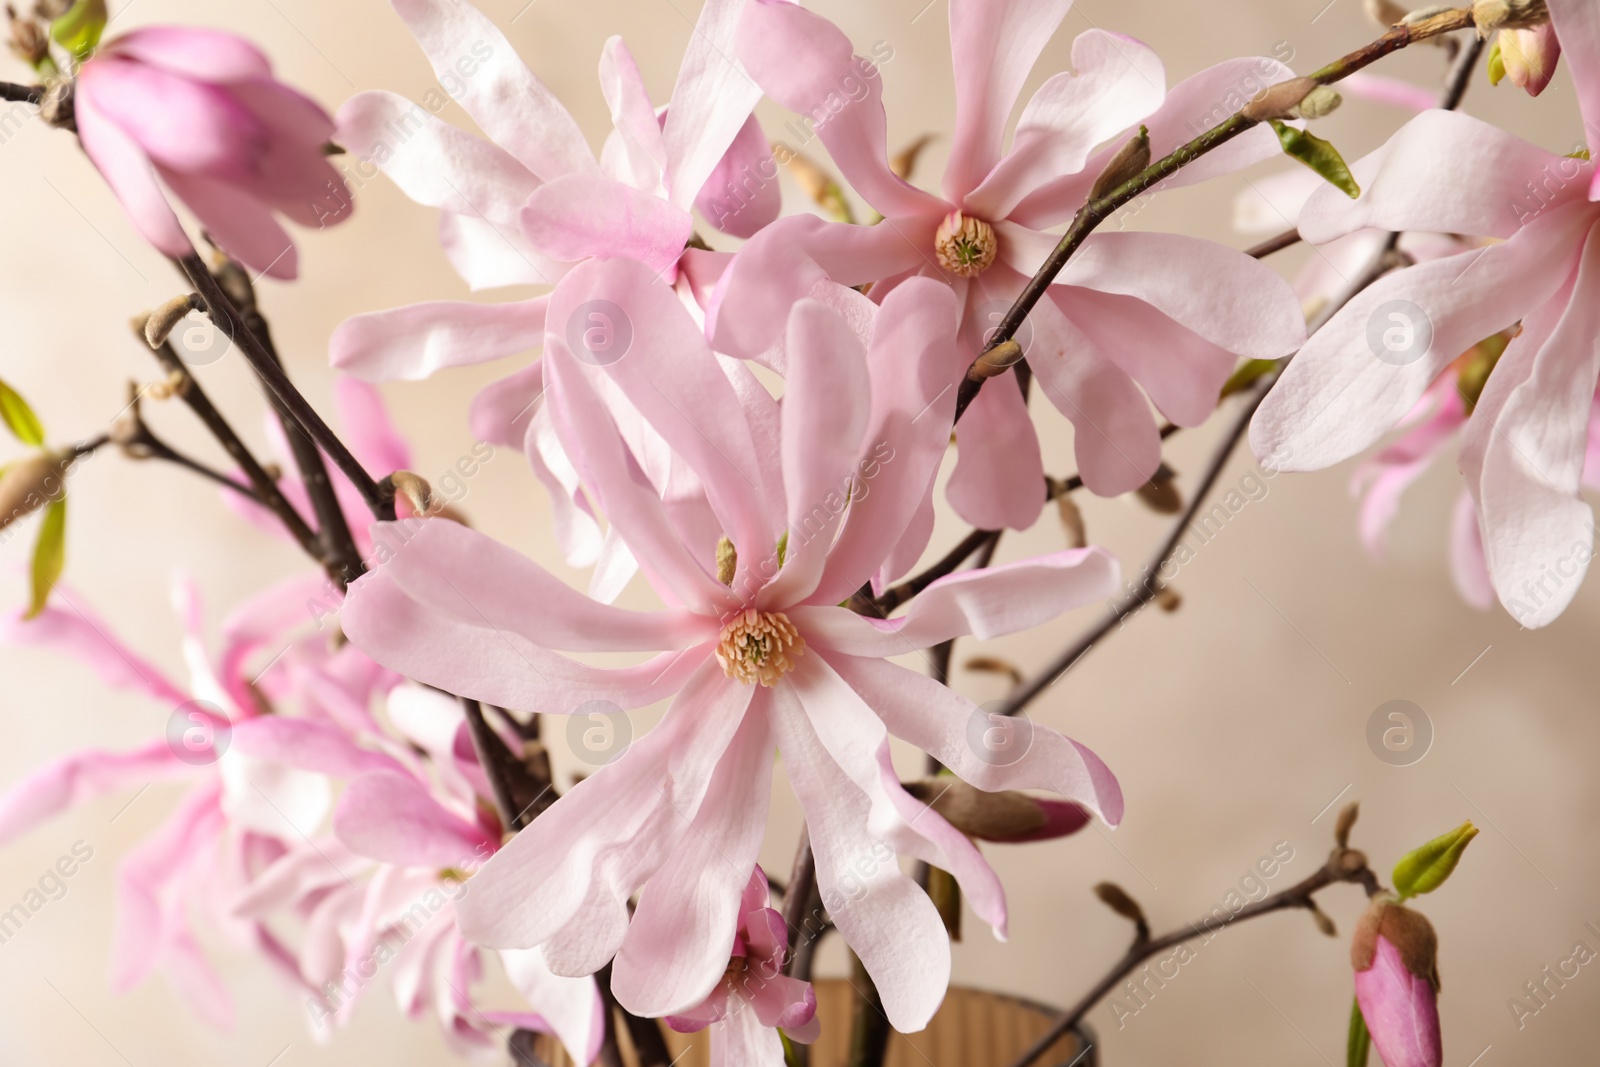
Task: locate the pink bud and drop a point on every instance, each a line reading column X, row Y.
column 200, row 110
column 1397, row 984
column 1530, row 56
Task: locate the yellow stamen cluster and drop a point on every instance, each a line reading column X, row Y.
column 759, row 647
column 965, row 245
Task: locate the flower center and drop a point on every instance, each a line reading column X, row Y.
column 759, row 646
column 965, row 245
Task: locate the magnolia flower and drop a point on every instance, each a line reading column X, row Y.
column 803, row 503
column 1523, row 449
column 755, row 998
column 524, row 206
column 227, row 827
column 199, row 110
column 1132, row 311
column 376, row 897
column 1394, row 953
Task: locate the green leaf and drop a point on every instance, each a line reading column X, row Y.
column 79, row 30
column 1424, row 869
column 1360, row 1043
column 49, row 555
column 1497, row 63
column 1247, row 375
column 19, row 417
column 1319, row 155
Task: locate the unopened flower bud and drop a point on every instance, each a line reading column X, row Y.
column 1004, row 816
column 1491, row 15
column 29, row 484
column 1131, row 158
column 999, row 359
column 164, row 319
column 29, row 42
column 995, row 665
column 1117, row 899
column 1318, row 102
column 414, row 491
column 1324, row 923
column 1395, row 956
column 1347, row 821
column 964, row 245
column 1529, row 57
column 1279, row 101
column 1072, row 521
column 905, row 161
column 1160, row 494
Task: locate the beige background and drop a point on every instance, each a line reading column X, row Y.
column 1233, row 724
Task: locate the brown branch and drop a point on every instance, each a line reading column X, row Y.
column 1344, row 865
column 21, row 94
column 266, row 488
column 1287, row 239
column 229, row 319
column 1098, row 209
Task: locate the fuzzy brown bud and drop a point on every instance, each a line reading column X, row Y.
column 30, row 483
column 1279, row 101
column 1492, row 15
column 1132, row 158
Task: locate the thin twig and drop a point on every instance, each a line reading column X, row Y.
column 229, row 320
column 266, row 488
column 21, row 94
column 1287, row 239
column 1344, row 865
column 897, row 595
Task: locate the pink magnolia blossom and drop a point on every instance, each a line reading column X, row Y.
column 811, row 496
column 524, row 206
column 755, row 998
column 1133, row 315
column 199, row 111
column 1524, row 448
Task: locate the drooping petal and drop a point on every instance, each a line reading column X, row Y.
column 987, row 751
column 503, row 97
column 76, row 631
column 994, row 44
column 80, row 778
column 678, row 944
column 412, row 343
column 985, row 603
column 502, row 411
column 390, row 817
column 309, row 745
column 998, row 480
column 806, row 63
column 1350, row 383
column 884, row 916
column 1538, row 533
column 1228, row 298
column 1469, row 570
column 572, row 1006
column 1399, row 183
